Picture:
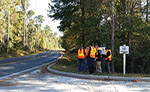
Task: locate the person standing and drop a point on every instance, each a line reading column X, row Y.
column 98, row 59
column 86, row 54
column 108, row 59
column 91, row 59
column 81, row 59
column 103, row 59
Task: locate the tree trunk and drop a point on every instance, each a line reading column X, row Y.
column 82, row 29
column 147, row 11
column 112, row 38
column 8, row 29
column 24, row 24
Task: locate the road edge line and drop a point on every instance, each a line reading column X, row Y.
column 33, row 68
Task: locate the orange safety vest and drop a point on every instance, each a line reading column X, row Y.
column 86, row 52
column 110, row 56
column 92, row 53
column 81, row 54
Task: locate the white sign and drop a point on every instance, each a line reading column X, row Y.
column 124, row 49
column 103, row 49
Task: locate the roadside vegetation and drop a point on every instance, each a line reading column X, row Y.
column 21, row 32
column 18, row 53
column 90, row 21
column 69, row 63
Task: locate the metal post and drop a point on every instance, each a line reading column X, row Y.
column 8, row 28
column 124, row 63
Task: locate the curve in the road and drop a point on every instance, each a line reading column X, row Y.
column 22, row 67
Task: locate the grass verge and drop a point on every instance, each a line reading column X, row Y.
column 69, row 63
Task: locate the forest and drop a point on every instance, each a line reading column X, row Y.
column 93, row 21
column 20, row 30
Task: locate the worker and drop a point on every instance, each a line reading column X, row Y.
column 81, row 59
column 86, row 54
column 103, row 59
column 108, row 59
column 91, row 59
column 98, row 59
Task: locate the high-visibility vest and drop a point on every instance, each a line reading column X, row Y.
column 110, row 56
column 86, row 52
column 92, row 53
column 81, row 54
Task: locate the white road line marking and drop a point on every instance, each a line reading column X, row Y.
column 4, row 77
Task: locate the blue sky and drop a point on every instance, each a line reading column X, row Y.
column 40, row 7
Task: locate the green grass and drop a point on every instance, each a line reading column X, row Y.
column 69, row 63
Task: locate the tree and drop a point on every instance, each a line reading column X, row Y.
column 24, row 25
column 8, row 28
column 112, row 37
column 147, row 10
column 92, row 21
column 78, row 19
column 38, row 20
column 30, row 14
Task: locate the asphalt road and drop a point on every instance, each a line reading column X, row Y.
column 12, row 66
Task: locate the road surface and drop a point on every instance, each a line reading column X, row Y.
column 45, row 82
column 13, row 66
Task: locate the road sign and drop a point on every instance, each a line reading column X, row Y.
column 124, row 49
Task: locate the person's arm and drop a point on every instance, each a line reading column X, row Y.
column 103, row 55
column 84, row 52
column 108, row 53
column 89, row 52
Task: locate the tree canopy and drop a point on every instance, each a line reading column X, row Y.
column 23, row 26
column 89, row 21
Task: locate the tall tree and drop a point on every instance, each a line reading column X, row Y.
column 147, row 10
column 23, row 2
column 39, row 20
column 112, row 37
column 78, row 19
column 8, row 28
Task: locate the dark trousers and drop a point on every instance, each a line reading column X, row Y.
column 91, row 69
column 108, row 66
column 103, row 65
column 86, row 65
column 91, row 65
column 81, row 65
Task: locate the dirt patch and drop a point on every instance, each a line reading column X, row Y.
column 44, row 69
column 8, row 82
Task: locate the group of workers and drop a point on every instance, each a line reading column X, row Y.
column 91, row 57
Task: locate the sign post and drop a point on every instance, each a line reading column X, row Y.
column 124, row 50
column 124, row 63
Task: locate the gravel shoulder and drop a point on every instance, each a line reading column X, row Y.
column 43, row 81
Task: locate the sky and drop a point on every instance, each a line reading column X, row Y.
column 40, row 7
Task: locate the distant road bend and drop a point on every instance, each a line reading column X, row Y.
column 14, row 66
